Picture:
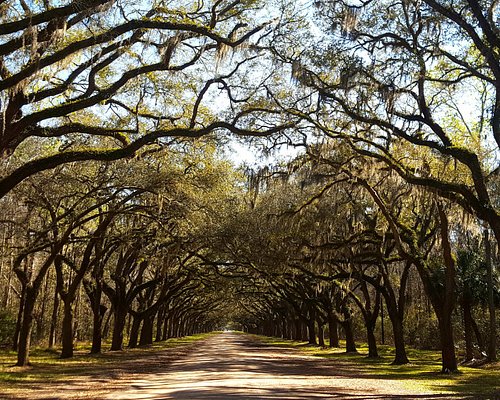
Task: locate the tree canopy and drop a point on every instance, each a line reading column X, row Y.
column 124, row 220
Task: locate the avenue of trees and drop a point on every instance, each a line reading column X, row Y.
column 122, row 221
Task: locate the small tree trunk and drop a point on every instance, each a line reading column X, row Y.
column 284, row 329
column 311, row 330
column 25, row 330
column 382, row 327
column 278, row 332
column 477, row 333
column 97, row 329
column 165, row 327
column 20, row 317
column 321, row 335
column 372, row 342
column 67, row 329
column 449, row 362
column 118, row 327
column 53, row 320
column 304, row 336
column 333, row 331
column 291, row 329
column 298, row 329
column 492, row 342
column 159, row 324
column 98, row 312
column 40, row 326
column 350, row 344
column 174, row 326
column 445, row 311
column 400, row 357
column 147, row 331
column 134, row 331
column 468, row 331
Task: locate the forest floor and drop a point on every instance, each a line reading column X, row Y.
column 232, row 366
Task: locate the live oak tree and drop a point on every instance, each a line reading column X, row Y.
column 100, row 79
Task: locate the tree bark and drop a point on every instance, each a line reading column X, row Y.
column 159, row 324
column 67, row 329
column 134, row 331
column 400, row 357
column 147, row 331
column 449, row 361
column 97, row 329
column 468, row 331
column 333, row 331
column 372, row 342
column 25, row 331
column 321, row 335
column 53, row 320
column 311, row 330
column 118, row 327
column 492, row 345
column 445, row 309
column 20, row 316
column 298, row 329
column 350, row 343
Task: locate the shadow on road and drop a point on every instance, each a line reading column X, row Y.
column 233, row 367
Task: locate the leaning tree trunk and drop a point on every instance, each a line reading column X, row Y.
column 20, row 317
column 134, row 331
column 396, row 319
column 445, row 311
column 23, row 346
column 477, row 333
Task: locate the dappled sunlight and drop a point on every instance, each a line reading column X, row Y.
column 234, row 366
column 230, row 366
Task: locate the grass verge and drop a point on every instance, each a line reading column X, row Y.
column 47, row 367
column 423, row 372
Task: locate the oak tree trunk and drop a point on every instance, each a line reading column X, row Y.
column 67, row 329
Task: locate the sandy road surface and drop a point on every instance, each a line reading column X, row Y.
column 226, row 366
column 231, row 366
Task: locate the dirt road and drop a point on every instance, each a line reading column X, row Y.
column 227, row 366
column 231, row 366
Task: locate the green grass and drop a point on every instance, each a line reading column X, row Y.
column 422, row 373
column 47, row 366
